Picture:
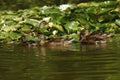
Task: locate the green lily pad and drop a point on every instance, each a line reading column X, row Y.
column 30, row 38
column 26, row 28
column 14, row 35
column 108, row 4
column 32, row 22
column 117, row 22
column 71, row 26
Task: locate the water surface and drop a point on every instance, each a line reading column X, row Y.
column 76, row 62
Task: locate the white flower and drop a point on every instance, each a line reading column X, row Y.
column 50, row 24
column 82, row 28
column 45, row 7
column 55, row 32
column 47, row 19
column 64, row 7
column 2, row 21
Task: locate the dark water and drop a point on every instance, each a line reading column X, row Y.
column 77, row 62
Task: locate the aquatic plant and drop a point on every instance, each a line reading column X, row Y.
column 66, row 20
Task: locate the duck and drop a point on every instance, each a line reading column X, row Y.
column 96, row 37
column 55, row 42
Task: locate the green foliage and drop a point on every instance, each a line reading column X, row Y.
column 62, row 21
column 72, row 27
column 25, row 4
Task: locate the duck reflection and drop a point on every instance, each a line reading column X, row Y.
column 92, row 47
column 80, row 66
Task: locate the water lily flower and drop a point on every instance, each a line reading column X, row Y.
column 55, row 32
column 65, row 6
column 50, row 24
column 44, row 7
column 47, row 19
column 3, row 21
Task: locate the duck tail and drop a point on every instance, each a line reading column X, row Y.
column 70, row 41
column 110, row 35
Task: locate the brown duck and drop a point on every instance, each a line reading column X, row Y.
column 55, row 41
column 93, row 38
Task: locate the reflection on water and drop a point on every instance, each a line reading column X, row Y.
column 76, row 62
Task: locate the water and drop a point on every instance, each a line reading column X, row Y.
column 77, row 62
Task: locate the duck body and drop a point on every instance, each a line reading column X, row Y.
column 93, row 41
column 55, row 41
column 93, row 38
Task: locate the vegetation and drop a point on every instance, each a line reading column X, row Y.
column 62, row 21
column 24, row 4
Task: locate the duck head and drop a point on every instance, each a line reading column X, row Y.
column 83, row 34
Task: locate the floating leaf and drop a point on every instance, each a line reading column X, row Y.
column 8, row 28
column 26, row 28
column 91, row 10
column 10, row 35
column 14, row 35
column 64, row 20
column 74, row 36
column 58, row 27
column 32, row 22
column 50, row 10
column 104, row 10
column 108, row 4
column 72, row 26
column 117, row 22
column 30, row 38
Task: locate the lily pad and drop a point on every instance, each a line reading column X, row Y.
column 117, row 22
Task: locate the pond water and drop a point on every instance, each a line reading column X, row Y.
column 76, row 62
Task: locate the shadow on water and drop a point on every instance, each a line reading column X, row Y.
column 77, row 62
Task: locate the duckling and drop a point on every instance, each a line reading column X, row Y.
column 55, row 41
column 93, row 38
